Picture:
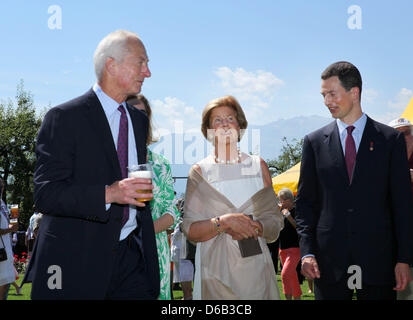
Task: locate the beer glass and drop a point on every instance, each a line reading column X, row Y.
column 14, row 216
column 141, row 171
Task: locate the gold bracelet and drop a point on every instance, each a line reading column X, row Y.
column 218, row 225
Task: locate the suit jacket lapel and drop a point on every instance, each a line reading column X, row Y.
column 332, row 138
column 100, row 126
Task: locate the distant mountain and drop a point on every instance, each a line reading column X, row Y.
column 182, row 150
column 293, row 128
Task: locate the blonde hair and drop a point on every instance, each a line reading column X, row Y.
column 135, row 99
column 226, row 101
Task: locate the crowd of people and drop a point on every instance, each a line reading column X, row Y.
column 224, row 238
column 9, row 253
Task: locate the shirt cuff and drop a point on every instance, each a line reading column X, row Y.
column 107, row 204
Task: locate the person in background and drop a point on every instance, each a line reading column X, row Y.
column 183, row 268
column 36, row 224
column 163, row 209
column 29, row 233
column 7, row 275
column 274, row 248
column 404, row 126
column 289, row 248
column 14, row 284
column 14, row 240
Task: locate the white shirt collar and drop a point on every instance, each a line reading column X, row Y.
column 109, row 105
column 359, row 125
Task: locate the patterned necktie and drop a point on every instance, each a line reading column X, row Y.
column 350, row 155
column 122, row 149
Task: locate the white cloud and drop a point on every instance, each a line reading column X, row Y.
column 168, row 111
column 401, row 100
column 394, row 107
column 255, row 90
column 249, row 84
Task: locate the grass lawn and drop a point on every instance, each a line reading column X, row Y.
column 25, row 292
column 304, row 288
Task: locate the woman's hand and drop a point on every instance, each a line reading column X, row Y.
column 240, row 226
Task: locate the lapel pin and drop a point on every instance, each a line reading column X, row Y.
column 371, row 146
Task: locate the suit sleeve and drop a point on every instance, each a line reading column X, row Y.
column 402, row 201
column 54, row 190
column 306, row 202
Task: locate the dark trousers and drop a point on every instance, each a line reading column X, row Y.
column 340, row 291
column 129, row 281
column 273, row 247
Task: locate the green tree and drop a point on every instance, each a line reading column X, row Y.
column 19, row 125
column 290, row 156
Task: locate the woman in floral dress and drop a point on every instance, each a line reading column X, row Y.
column 164, row 212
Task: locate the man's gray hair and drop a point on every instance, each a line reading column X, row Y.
column 286, row 193
column 115, row 45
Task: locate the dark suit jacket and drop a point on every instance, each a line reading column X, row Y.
column 369, row 222
column 76, row 159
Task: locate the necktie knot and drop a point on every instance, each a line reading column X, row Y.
column 350, row 129
column 121, row 108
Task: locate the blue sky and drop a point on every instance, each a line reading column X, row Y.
column 268, row 53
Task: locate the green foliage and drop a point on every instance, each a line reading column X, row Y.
column 290, row 156
column 19, row 125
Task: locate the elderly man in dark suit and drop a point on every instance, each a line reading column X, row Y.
column 96, row 241
column 354, row 207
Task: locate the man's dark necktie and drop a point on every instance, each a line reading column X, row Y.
column 122, row 149
column 350, row 155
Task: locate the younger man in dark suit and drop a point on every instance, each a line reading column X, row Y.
column 354, row 207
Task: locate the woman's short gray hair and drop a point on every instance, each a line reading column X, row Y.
column 114, row 45
column 285, row 194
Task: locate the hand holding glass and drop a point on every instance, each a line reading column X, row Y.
column 141, row 171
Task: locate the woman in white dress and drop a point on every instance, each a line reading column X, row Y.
column 229, row 197
column 7, row 275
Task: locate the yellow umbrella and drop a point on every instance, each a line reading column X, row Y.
column 287, row 179
column 408, row 112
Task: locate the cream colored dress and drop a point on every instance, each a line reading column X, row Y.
column 221, row 271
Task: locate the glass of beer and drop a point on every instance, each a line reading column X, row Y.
column 141, row 171
column 14, row 213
